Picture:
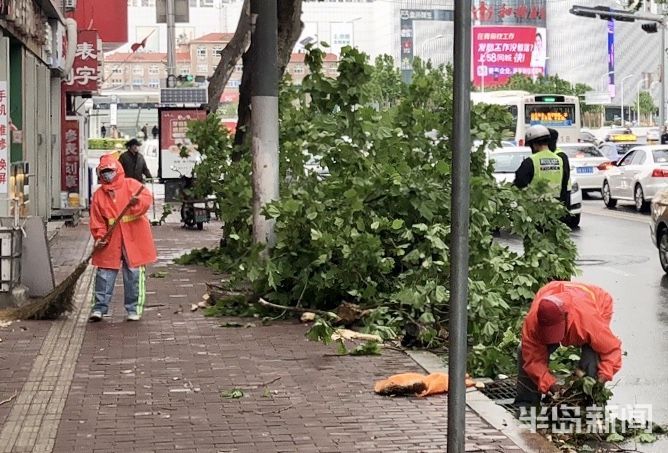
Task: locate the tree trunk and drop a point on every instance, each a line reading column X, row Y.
column 289, row 29
column 229, row 58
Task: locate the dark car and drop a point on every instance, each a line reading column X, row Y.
column 616, row 150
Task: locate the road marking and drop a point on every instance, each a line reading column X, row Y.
column 605, row 212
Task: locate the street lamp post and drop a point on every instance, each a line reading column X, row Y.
column 623, row 80
column 638, row 101
column 352, row 22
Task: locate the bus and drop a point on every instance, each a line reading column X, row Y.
column 560, row 112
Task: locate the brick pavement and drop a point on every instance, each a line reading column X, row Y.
column 156, row 385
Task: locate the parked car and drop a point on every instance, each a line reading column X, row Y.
column 587, row 165
column 653, row 135
column 659, row 226
column 506, row 161
column 638, row 177
column 614, row 151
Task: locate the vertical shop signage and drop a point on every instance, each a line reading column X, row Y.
column 69, row 165
column 4, row 135
column 85, row 71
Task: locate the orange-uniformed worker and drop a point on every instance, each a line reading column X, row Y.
column 568, row 314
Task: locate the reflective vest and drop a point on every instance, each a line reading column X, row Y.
column 548, row 167
column 569, row 183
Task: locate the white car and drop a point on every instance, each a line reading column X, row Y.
column 587, row 163
column 506, row 161
column 654, row 135
column 637, row 177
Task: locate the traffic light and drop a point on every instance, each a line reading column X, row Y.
column 650, row 28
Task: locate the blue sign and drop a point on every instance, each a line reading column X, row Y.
column 611, row 58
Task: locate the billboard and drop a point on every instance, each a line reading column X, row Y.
column 4, row 135
column 499, row 52
column 611, row 58
column 173, row 136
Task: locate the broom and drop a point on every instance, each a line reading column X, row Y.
column 61, row 298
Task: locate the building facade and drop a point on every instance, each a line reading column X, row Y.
column 33, row 49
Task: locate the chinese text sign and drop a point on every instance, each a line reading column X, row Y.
column 4, row 136
column 85, row 73
column 69, row 165
column 173, row 136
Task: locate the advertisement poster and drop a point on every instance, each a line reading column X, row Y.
column 69, row 166
column 4, row 135
column 500, row 52
column 173, row 136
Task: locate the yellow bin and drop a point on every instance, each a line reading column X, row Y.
column 73, row 200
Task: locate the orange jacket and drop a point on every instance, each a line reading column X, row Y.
column 588, row 315
column 133, row 233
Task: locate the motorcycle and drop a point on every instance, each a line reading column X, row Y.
column 195, row 212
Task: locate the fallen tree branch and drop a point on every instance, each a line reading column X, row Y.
column 8, row 399
column 328, row 314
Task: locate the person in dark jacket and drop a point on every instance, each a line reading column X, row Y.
column 155, row 131
column 133, row 162
column 664, row 136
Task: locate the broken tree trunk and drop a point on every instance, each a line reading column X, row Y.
column 289, row 29
column 229, row 58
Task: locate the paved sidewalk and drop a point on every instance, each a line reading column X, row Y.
column 156, row 385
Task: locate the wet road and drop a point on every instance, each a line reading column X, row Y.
column 616, row 253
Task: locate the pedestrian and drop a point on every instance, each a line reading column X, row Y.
column 544, row 164
column 103, row 131
column 567, row 314
column 130, row 246
column 133, row 162
column 664, row 136
column 114, row 131
column 144, row 131
column 155, row 131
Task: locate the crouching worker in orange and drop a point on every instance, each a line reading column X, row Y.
column 130, row 246
column 568, row 314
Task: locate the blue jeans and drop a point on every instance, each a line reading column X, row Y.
column 134, row 288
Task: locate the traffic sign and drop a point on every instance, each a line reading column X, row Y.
column 597, row 98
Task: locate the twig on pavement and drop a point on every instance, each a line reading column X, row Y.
column 328, row 314
column 277, row 411
column 264, row 384
column 8, row 399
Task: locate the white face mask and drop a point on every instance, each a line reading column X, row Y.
column 108, row 176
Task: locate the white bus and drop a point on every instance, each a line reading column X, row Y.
column 560, row 112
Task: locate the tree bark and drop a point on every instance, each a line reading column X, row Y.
column 229, row 57
column 289, row 29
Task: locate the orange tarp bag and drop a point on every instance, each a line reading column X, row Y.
column 405, row 384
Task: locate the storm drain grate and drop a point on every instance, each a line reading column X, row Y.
column 502, row 392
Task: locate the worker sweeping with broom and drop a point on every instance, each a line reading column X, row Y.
column 120, row 205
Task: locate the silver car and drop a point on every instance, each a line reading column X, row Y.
column 637, row 177
column 659, row 227
column 587, row 164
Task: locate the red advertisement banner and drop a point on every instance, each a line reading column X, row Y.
column 69, row 160
column 501, row 51
column 85, row 71
column 173, row 136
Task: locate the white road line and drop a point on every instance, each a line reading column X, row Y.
column 604, row 212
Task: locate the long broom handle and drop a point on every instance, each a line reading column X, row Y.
column 119, row 218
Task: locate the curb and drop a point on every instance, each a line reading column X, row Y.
column 488, row 410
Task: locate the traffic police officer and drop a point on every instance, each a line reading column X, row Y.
column 544, row 164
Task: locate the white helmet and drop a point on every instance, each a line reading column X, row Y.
column 535, row 133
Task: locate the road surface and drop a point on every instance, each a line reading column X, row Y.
column 616, row 253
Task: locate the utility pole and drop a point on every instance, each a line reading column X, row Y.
column 459, row 242
column 171, row 42
column 662, row 107
column 264, row 119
